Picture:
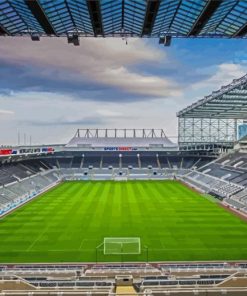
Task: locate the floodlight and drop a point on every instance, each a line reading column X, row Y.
column 73, row 39
column 76, row 40
column 166, row 40
column 70, row 39
column 35, row 37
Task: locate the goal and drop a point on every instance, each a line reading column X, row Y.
column 122, row 245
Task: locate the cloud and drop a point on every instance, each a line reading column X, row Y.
column 64, row 122
column 139, row 84
column 223, row 74
column 53, row 88
column 209, row 79
column 109, row 113
column 97, row 61
column 53, row 118
column 6, row 112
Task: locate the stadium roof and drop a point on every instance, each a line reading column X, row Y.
column 120, row 138
column 228, row 102
column 139, row 18
column 121, row 142
column 119, row 133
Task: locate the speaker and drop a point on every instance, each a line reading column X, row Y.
column 76, row 40
column 35, row 37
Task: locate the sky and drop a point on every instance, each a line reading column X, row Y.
column 50, row 88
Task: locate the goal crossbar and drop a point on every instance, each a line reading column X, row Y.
column 122, row 245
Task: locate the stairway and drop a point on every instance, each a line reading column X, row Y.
column 125, row 290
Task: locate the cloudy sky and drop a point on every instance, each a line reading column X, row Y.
column 48, row 89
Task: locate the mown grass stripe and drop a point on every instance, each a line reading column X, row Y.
column 70, row 221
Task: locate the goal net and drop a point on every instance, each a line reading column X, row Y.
column 122, row 245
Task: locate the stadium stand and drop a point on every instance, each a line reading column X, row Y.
column 25, row 178
column 212, row 185
column 135, row 279
column 16, row 193
column 227, row 176
column 99, row 159
column 112, row 161
column 128, row 159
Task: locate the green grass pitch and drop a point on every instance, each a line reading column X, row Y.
column 67, row 223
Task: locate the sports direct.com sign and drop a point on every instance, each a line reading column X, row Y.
column 120, row 148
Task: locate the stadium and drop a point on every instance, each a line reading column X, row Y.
column 129, row 211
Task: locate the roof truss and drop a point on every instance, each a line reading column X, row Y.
column 125, row 18
column 151, row 12
column 95, row 14
column 206, row 14
column 3, row 31
column 228, row 102
column 41, row 17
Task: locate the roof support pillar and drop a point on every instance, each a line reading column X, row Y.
column 95, row 15
column 151, row 12
column 207, row 13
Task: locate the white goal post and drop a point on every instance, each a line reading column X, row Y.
column 122, row 245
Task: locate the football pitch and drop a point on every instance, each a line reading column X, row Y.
column 174, row 223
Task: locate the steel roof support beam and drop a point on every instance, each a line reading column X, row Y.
column 241, row 32
column 70, row 14
column 122, row 20
column 3, row 31
column 40, row 15
column 151, row 12
column 207, row 13
column 237, row 86
column 95, row 15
